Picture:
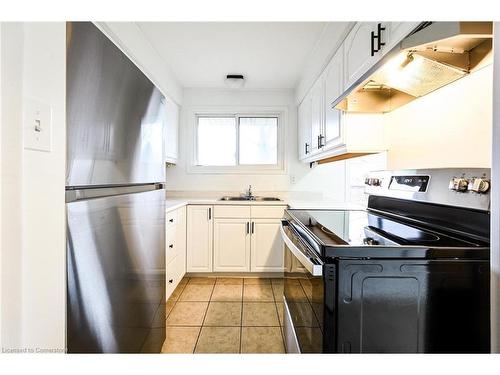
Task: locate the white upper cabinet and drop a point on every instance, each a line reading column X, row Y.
column 317, row 114
column 363, row 47
column 326, row 132
column 398, row 31
column 334, row 87
column 172, row 131
column 304, row 128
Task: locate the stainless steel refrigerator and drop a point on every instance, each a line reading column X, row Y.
column 114, row 199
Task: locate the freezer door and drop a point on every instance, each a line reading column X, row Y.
column 116, row 117
column 116, row 274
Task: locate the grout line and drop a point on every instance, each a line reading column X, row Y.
column 186, row 326
column 241, row 317
column 204, row 316
column 172, row 309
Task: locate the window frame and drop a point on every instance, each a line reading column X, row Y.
column 237, row 113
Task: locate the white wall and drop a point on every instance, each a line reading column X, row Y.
column 495, row 202
column 449, row 127
column 33, row 206
column 310, row 183
column 11, row 169
column 44, row 226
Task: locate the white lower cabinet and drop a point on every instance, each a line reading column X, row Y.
column 267, row 246
column 199, row 238
column 234, row 238
column 173, row 276
column 180, row 234
column 175, row 248
column 231, row 245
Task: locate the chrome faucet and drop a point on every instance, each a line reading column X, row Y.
column 249, row 192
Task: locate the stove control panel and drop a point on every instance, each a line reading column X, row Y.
column 373, row 181
column 460, row 187
column 474, row 184
column 459, row 184
column 479, row 185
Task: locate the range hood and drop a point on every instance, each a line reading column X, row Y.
column 434, row 55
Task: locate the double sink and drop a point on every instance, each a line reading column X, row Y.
column 249, row 198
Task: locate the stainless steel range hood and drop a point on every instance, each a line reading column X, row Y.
column 433, row 56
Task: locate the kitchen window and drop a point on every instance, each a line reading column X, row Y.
column 237, row 143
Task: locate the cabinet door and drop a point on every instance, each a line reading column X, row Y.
column 334, row 87
column 304, row 128
column 231, row 245
column 267, row 246
column 172, row 127
column 317, row 113
column 199, row 238
column 399, row 30
column 358, row 51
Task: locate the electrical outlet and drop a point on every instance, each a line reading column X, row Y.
column 292, row 179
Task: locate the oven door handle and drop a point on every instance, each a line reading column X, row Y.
column 313, row 265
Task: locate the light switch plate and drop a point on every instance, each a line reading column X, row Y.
column 37, row 125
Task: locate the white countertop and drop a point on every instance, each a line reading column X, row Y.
column 178, row 202
column 323, row 205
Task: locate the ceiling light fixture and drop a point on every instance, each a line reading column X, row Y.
column 235, row 81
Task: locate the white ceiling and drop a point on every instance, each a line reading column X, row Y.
column 271, row 55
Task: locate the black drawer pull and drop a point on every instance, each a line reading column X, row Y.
column 171, row 246
column 171, row 220
column 171, row 281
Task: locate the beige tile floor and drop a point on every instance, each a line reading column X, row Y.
column 225, row 315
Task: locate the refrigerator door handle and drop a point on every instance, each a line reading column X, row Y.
column 78, row 193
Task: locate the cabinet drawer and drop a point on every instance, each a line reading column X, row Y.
column 171, row 218
column 267, row 212
column 170, row 243
column 173, row 276
column 231, row 212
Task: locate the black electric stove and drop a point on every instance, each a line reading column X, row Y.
column 408, row 274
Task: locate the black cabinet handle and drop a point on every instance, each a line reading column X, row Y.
column 171, row 281
column 320, row 140
column 253, row 227
column 171, row 246
column 372, row 43
column 307, row 148
column 210, row 213
column 171, row 220
column 248, row 227
column 379, row 36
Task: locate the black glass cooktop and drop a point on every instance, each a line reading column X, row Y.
column 363, row 228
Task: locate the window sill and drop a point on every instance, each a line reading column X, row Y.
column 253, row 170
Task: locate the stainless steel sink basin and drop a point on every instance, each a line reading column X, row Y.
column 228, row 198
column 252, row 198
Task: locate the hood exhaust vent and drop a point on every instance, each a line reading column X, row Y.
column 430, row 58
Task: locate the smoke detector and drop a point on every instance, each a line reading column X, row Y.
column 235, row 81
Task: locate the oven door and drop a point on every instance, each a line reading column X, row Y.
column 303, row 295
